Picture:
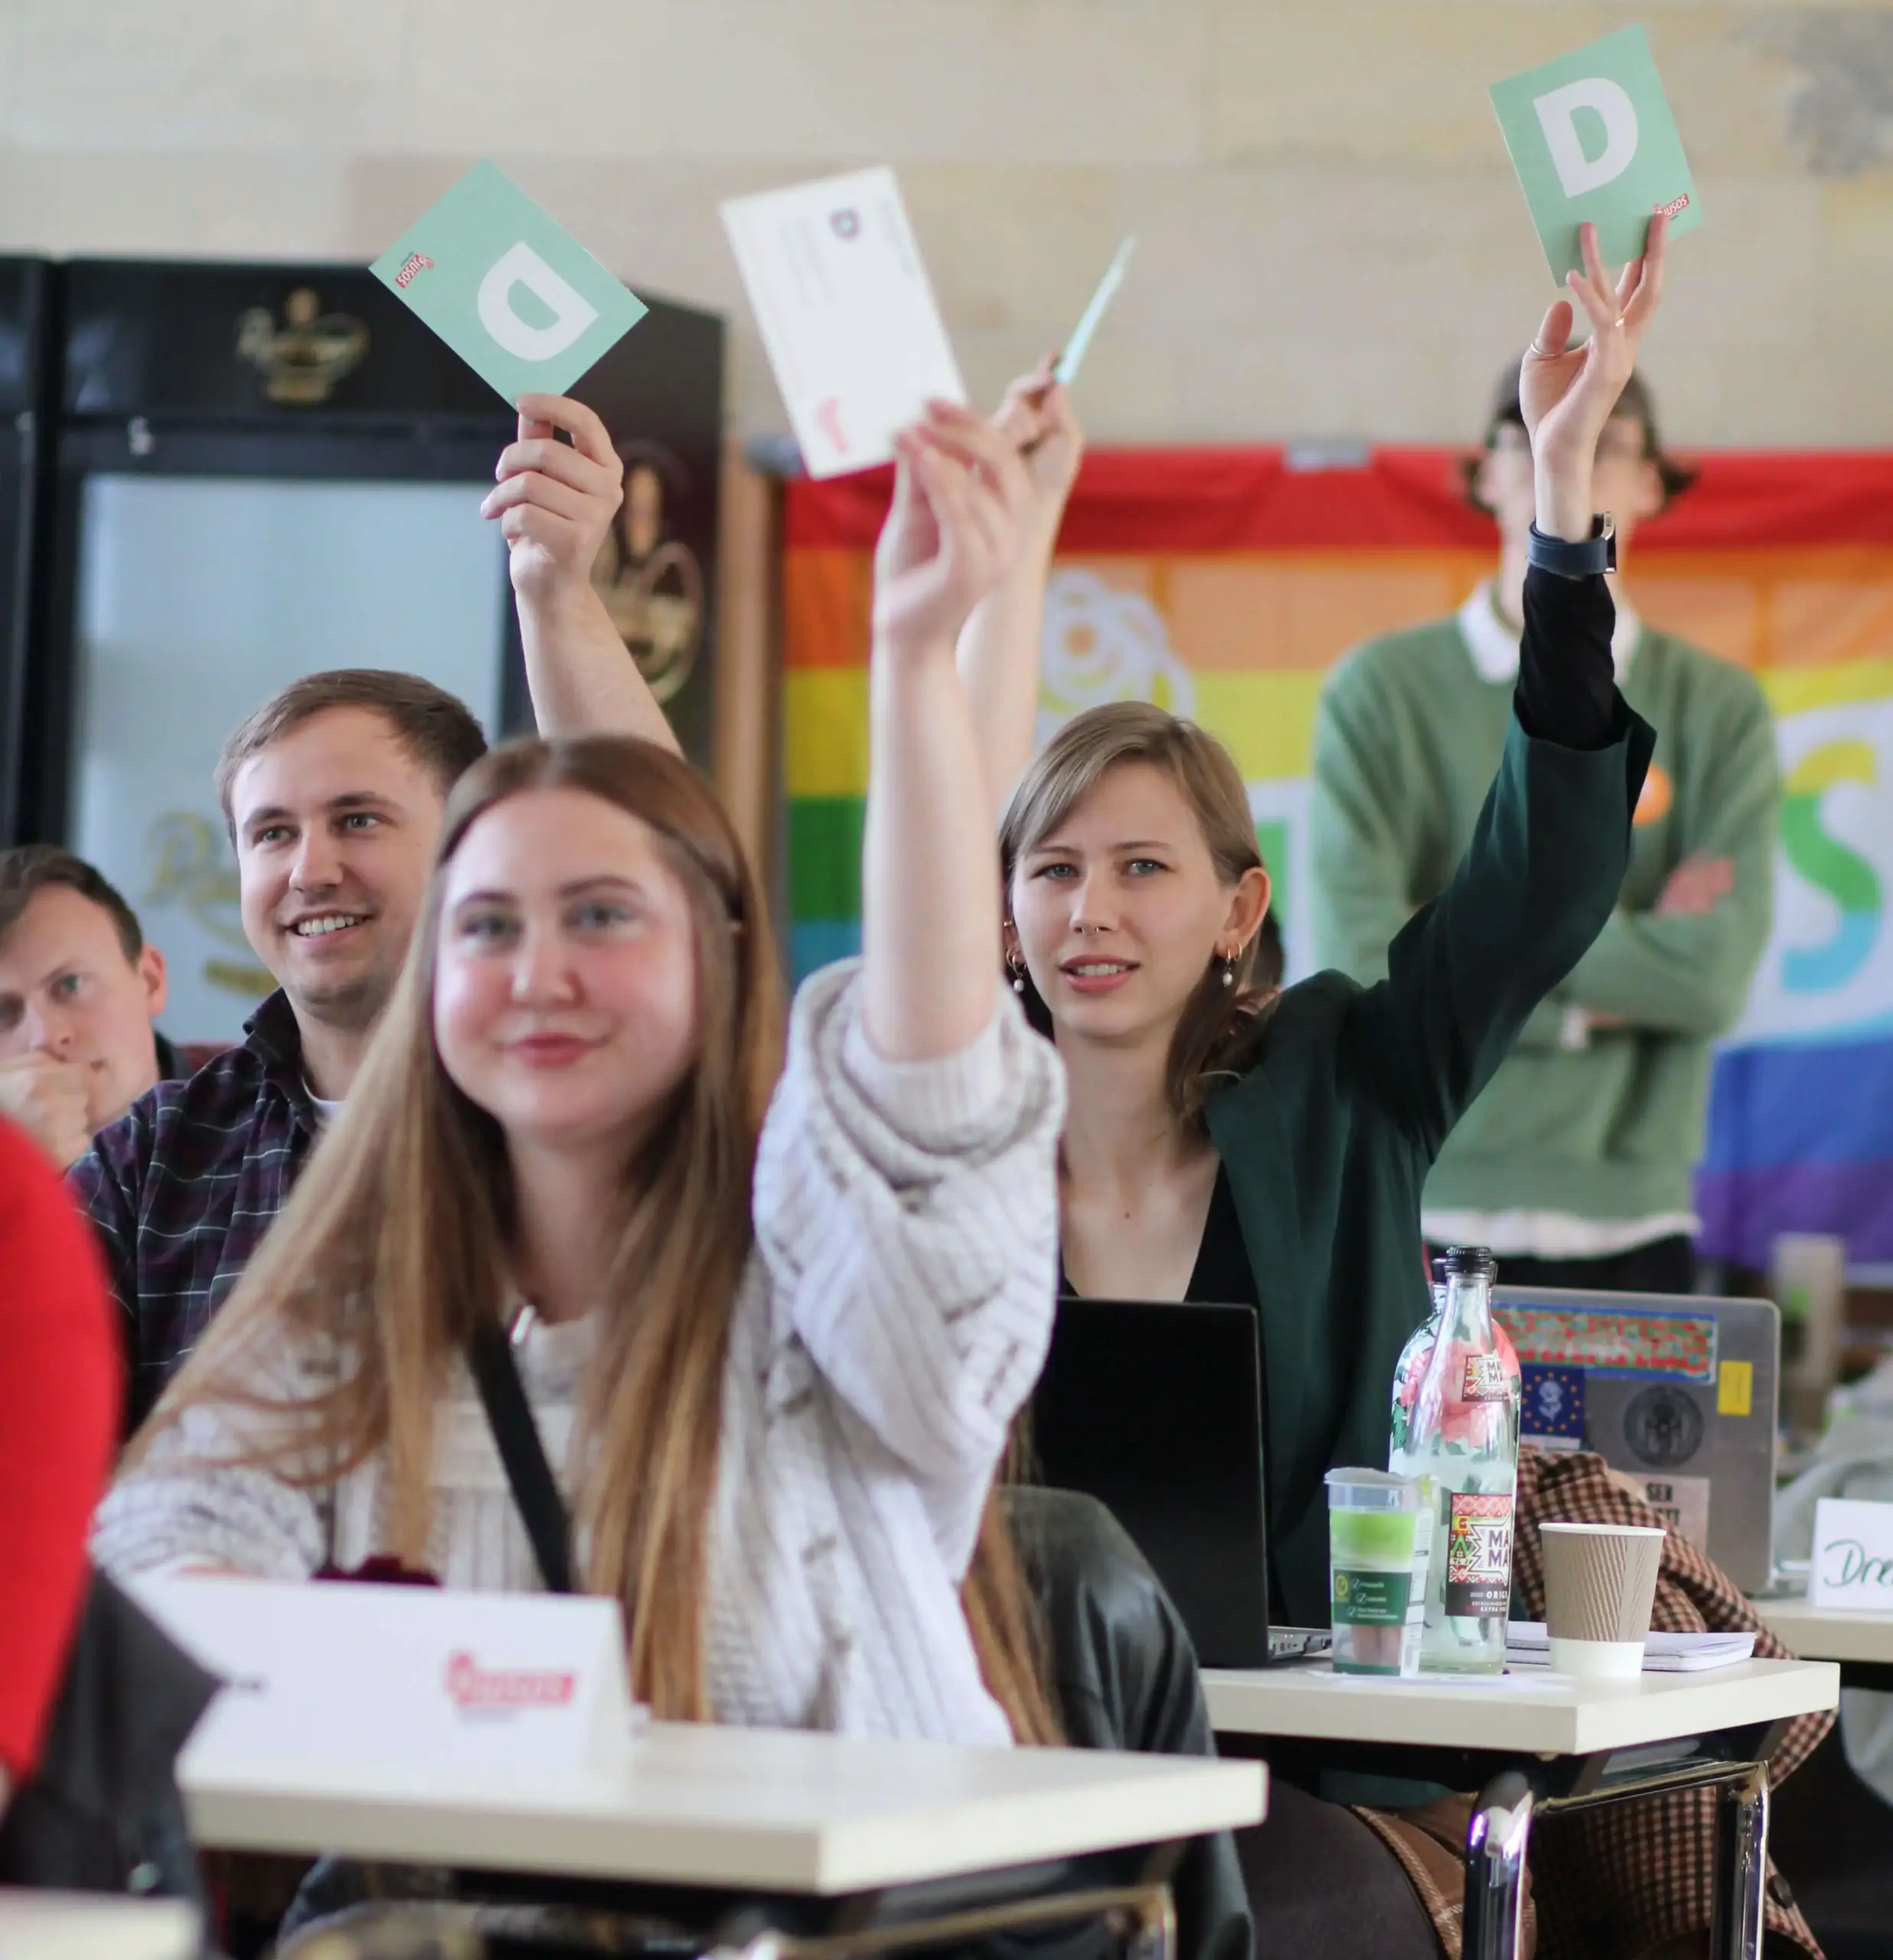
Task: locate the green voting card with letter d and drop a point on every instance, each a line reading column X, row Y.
column 520, row 301
column 1593, row 142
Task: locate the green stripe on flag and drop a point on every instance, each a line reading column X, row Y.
column 825, row 857
column 1271, row 839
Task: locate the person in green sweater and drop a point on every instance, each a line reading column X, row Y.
column 1575, row 1163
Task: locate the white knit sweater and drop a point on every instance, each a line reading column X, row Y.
column 893, row 1316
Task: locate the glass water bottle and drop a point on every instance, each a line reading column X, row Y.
column 1461, row 1434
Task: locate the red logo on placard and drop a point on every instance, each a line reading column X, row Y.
column 417, row 262
column 473, row 1687
column 1677, row 204
column 828, row 413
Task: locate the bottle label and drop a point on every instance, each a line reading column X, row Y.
column 1486, row 1379
column 1478, row 1555
column 1371, row 1599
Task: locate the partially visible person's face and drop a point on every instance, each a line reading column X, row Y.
column 1625, row 481
column 566, row 983
column 1119, row 909
column 67, row 990
column 336, row 825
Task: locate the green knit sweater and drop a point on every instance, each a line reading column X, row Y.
column 1408, row 734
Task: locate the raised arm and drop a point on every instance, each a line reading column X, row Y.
column 1542, row 874
column 929, row 874
column 555, row 502
column 998, row 652
column 906, row 1188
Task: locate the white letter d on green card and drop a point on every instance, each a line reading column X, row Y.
column 520, row 265
column 1557, row 115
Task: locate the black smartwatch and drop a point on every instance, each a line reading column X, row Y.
column 1598, row 552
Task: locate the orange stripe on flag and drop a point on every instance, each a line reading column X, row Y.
column 827, row 604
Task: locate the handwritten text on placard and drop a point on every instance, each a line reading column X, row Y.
column 1852, row 1569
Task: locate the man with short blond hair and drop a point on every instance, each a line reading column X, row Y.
column 333, row 792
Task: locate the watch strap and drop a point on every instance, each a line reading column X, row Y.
column 1596, row 554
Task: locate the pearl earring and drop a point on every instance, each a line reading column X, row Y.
column 1016, row 967
column 1229, row 969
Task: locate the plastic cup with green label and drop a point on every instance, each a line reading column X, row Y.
column 1380, row 1539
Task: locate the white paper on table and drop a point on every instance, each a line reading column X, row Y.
column 1528, row 1645
column 847, row 313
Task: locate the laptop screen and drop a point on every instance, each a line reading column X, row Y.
column 1154, row 1408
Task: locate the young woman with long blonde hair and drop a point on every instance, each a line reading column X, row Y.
column 771, row 1332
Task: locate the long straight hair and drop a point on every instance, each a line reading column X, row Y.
column 396, row 1245
column 1220, row 1026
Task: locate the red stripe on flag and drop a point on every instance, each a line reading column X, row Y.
column 1134, row 500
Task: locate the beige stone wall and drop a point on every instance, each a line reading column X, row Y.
column 1331, row 241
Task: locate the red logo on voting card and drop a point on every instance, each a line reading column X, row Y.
column 1680, row 202
column 828, row 413
column 416, row 262
column 474, row 1688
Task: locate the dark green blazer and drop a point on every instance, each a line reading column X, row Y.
column 1328, row 1138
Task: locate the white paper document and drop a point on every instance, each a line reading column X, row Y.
column 1528, row 1645
column 847, row 316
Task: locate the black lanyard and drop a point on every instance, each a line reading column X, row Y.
column 534, row 1489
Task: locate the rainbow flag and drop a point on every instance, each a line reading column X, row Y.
column 1223, row 583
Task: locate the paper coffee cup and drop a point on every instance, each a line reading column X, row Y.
column 1600, row 1585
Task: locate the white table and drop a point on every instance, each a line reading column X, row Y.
column 61, row 1926
column 745, row 1811
column 758, row 1808
column 1531, row 1739
column 1525, row 1713
column 1862, row 1643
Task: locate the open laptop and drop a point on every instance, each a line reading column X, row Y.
column 1155, row 1409
column 1679, row 1390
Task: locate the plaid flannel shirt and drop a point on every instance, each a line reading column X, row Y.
column 181, row 1189
column 1625, row 1878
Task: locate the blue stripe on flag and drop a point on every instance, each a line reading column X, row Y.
column 814, row 943
column 1801, row 1103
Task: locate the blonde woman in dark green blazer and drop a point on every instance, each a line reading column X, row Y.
column 1226, row 1142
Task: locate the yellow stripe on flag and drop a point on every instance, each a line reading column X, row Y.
column 825, row 715
column 1267, row 720
column 1794, row 690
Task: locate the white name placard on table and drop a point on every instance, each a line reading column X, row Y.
column 1852, row 1570
column 847, row 313
column 366, row 1674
